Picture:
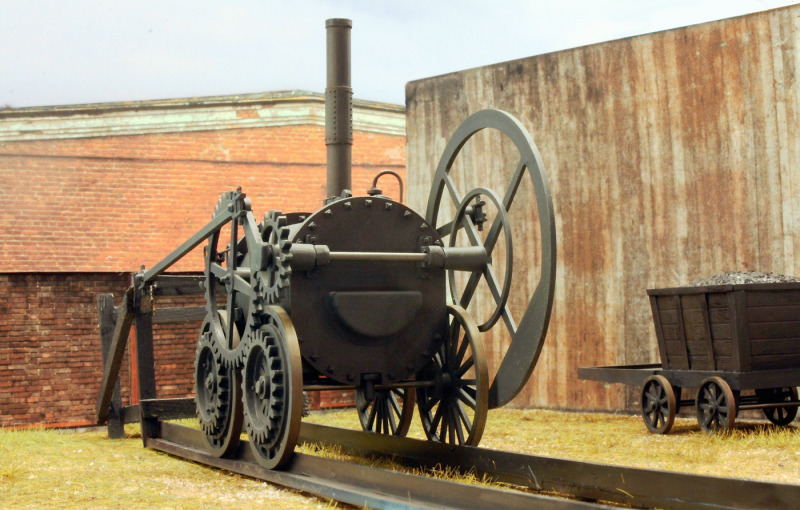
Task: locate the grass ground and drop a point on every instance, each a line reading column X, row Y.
column 70, row 470
column 753, row 449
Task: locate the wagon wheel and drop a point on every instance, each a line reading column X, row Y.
column 527, row 334
column 217, row 394
column 658, row 404
column 715, row 405
column 272, row 383
column 454, row 408
column 780, row 416
column 390, row 412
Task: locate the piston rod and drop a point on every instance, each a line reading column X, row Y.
column 471, row 258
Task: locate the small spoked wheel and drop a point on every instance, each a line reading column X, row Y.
column 778, row 415
column 272, row 384
column 453, row 409
column 390, row 412
column 659, row 404
column 716, row 405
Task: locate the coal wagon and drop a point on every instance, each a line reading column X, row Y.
column 738, row 345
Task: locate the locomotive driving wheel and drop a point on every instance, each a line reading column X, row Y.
column 453, row 409
column 390, row 412
column 272, row 384
column 217, row 395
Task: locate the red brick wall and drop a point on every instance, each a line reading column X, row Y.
column 50, row 354
column 79, row 213
column 50, row 357
column 114, row 203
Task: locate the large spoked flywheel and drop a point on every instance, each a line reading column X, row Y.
column 528, row 332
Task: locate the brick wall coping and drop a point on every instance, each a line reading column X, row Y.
column 241, row 111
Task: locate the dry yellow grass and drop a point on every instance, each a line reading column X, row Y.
column 752, row 450
column 71, row 470
column 77, row 470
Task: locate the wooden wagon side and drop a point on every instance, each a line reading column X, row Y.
column 731, row 328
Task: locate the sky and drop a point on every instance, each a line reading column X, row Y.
column 58, row 52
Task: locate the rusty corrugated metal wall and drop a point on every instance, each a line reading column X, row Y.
column 672, row 156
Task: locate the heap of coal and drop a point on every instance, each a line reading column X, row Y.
column 740, row 277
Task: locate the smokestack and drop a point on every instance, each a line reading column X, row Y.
column 338, row 106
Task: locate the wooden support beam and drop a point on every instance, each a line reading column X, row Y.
column 145, row 358
column 132, row 414
column 179, row 314
column 178, row 285
column 163, row 409
column 108, row 320
column 116, row 352
column 168, row 408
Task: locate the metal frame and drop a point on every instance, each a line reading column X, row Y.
column 115, row 325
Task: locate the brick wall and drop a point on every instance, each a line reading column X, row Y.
column 50, row 354
column 81, row 213
column 50, row 357
column 114, row 203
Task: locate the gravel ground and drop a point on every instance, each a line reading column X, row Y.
column 740, row 277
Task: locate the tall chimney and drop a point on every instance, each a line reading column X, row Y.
column 338, row 106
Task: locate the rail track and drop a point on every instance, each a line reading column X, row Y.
column 532, row 480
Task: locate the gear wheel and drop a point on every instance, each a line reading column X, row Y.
column 217, row 399
column 273, row 283
column 234, row 267
column 263, row 386
column 272, row 389
column 220, row 270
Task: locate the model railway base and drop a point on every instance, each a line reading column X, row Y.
column 377, row 488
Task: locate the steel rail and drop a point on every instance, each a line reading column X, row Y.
column 642, row 488
column 356, row 484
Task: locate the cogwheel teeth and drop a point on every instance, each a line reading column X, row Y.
column 273, row 282
column 211, row 387
column 263, row 384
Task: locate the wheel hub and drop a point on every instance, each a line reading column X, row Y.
column 261, row 387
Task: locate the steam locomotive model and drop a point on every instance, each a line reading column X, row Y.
column 363, row 294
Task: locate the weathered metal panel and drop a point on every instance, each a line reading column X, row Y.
column 672, row 156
